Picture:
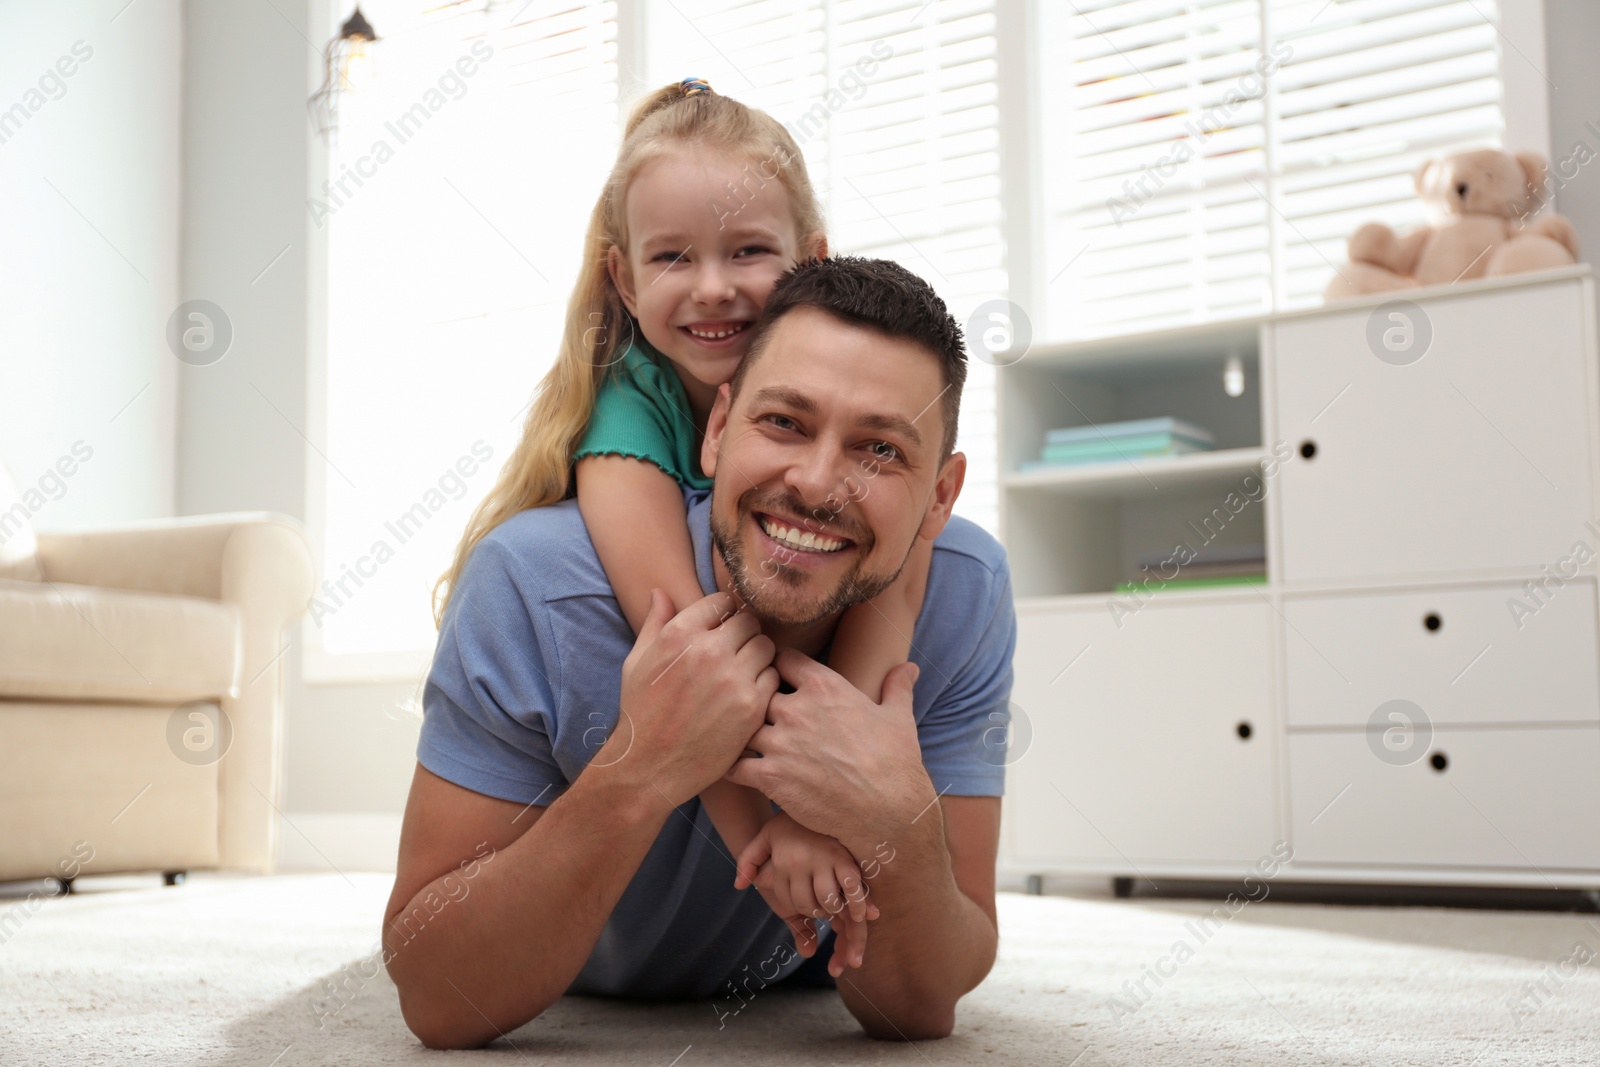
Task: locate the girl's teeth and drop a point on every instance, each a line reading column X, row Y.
column 716, row 335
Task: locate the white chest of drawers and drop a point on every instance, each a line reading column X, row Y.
column 1413, row 693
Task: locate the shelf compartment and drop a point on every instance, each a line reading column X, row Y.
column 1085, row 536
column 1179, row 374
column 1136, row 476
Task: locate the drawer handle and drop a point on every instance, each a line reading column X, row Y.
column 1308, row 448
column 1432, row 621
column 1439, row 761
column 1244, row 730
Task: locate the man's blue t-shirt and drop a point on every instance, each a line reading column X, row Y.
column 524, row 690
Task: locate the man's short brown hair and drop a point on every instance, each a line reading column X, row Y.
column 881, row 295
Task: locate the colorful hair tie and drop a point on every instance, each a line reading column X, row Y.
column 692, row 86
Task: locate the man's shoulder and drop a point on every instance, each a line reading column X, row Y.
column 548, row 552
column 966, row 545
column 969, row 585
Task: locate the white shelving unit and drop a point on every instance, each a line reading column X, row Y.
column 1403, row 503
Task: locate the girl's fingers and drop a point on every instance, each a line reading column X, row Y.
column 782, row 903
column 805, row 901
column 853, row 889
column 756, row 853
column 829, row 897
column 805, row 935
column 849, row 947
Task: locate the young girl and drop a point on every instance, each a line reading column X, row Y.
column 707, row 204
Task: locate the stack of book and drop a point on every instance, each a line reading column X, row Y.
column 1113, row 441
column 1209, row 566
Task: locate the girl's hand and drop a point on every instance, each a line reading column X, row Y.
column 809, row 874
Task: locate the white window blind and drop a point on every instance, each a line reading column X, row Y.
column 479, row 142
column 1208, row 158
column 893, row 103
column 1198, row 159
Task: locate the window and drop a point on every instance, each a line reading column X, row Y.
column 893, row 103
column 458, row 190
column 440, row 320
column 1209, row 158
column 1164, row 161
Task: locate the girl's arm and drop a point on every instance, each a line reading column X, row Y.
column 874, row 637
column 636, row 518
column 640, row 529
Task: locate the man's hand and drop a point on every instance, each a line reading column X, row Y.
column 839, row 764
column 694, row 688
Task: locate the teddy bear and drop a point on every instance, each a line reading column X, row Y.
column 1481, row 202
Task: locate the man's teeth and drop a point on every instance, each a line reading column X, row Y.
column 715, row 335
column 797, row 538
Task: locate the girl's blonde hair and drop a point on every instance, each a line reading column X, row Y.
column 539, row 471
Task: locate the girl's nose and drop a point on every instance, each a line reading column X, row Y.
column 712, row 285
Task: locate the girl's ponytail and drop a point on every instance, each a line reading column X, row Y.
column 663, row 97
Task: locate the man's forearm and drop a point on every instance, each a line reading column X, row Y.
column 930, row 946
column 499, row 956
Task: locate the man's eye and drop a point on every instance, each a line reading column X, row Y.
column 885, row 451
column 782, row 422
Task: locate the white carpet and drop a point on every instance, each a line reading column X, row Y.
column 231, row 971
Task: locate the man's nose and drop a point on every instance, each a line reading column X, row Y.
column 817, row 479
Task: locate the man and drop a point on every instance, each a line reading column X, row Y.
column 553, row 841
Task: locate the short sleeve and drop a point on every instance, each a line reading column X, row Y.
column 489, row 700
column 642, row 412
column 963, row 736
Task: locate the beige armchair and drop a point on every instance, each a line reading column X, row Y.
column 128, row 656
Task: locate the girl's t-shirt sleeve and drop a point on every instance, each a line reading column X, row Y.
column 642, row 412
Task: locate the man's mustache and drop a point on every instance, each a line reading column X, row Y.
column 815, row 518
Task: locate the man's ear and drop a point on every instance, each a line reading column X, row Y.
column 715, row 424
column 946, row 487
column 621, row 272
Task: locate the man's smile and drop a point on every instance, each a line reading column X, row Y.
column 798, row 536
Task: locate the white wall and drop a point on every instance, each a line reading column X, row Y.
column 89, row 180
column 248, row 69
column 1572, row 40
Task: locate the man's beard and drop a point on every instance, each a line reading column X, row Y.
column 856, row 586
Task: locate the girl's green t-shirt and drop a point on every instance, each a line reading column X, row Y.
column 643, row 412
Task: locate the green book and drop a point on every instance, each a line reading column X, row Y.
column 1157, row 584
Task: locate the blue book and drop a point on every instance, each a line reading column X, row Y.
column 1131, row 428
column 1143, row 444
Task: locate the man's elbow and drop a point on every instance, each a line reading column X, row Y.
column 440, row 1029
column 927, row 1024
column 440, row 1016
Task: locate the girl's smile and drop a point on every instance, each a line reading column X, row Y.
column 695, row 273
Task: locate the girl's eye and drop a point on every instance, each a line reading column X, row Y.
column 667, row 257
column 885, row 451
column 749, row 250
